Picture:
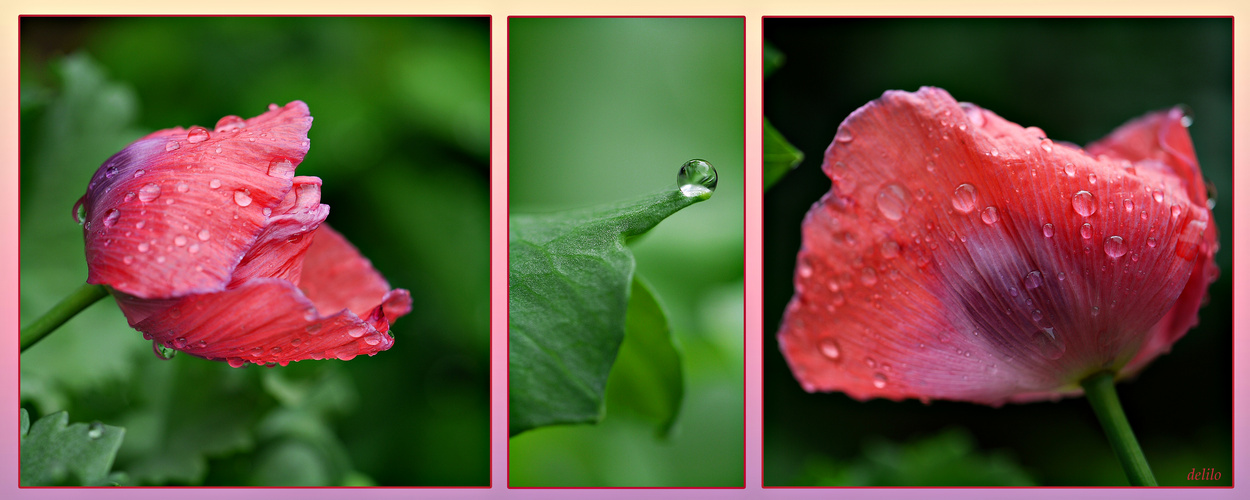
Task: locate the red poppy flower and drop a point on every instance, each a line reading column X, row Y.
column 213, row 246
column 961, row 256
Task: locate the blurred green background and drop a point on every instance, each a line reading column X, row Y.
column 1077, row 79
column 400, row 138
column 604, row 110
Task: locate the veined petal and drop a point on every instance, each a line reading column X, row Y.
column 174, row 212
column 337, row 277
column 263, row 321
column 961, row 256
column 279, row 250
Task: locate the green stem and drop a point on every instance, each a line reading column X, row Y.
column 68, row 307
column 1100, row 390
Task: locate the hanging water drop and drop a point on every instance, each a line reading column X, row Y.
column 163, row 352
column 1050, row 345
column 879, row 380
column 696, row 178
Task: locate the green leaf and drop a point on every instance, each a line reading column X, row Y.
column 647, row 377
column 950, row 458
column 780, row 157
column 568, row 290
column 54, row 453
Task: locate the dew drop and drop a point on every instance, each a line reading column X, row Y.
column 282, row 167
column 1087, row 231
column 129, row 196
column 1048, row 229
column 1152, row 242
column 314, row 328
column 1115, row 247
column 170, row 146
column 229, row 123
column 889, row 249
column 1046, row 145
column 95, row 430
column 868, row 277
column 149, row 192
column 989, row 215
column 1093, row 179
column 1084, row 203
column 1158, row 196
column 1062, row 276
column 1013, row 291
column 1051, row 346
column 831, row 350
column 1033, row 280
column 180, row 240
column 214, row 184
column 965, row 198
column 893, row 201
column 236, row 362
column 128, row 260
column 203, row 235
column 1037, row 315
column 1094, row 311
column 1128, row 206
column 111, row 216
column 1176, row 211
column 180, row 342
column 843, row 136
column 197, row 134
column 879, row 380
column 1190, row 240
column 242, row 198
column 143, row 247
column 696, row 178
column 163, row 352
column 347, row 352
column 182, row 187
column 1069, row 169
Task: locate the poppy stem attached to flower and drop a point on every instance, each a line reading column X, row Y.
column 71, row 305
column 1100, row 390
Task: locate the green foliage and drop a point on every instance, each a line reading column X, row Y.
column 57, row 454
column 647, row 375
column 569, row 278
column 780, row 156
column 401, row 141
column 949, row 458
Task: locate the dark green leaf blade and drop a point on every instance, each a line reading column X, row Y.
column 56, row 453
column 647, row 377
column 780, row 157
column 568, row 291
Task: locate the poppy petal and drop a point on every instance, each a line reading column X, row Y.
column 263, row 321
column 961, row 256
column 337, row 277
column 279, row 250
column 174, row 212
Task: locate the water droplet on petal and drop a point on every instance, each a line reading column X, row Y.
column 214, row 184
column 180, row 240
column 831, row 350
column 1087, row 231
column 1046, row 145
column 868, row 277
column 696, row 178
column 111, row 216
column 989, row 215
column 149, row 192
column 1084, row 203
column 1115, row 247
column 1176, row 211
column 889, row 249
column 143, row 247
column 170, row 146
column 163, row 352
column 236, row 362
column 1051, row 346
column 282, row 167
column 879, row 380
column 197, row 134
column 1037, row 315
column 843, row 136
column 182, row 187
column 1188, row 243
column 242, row 198
column 273, row 107
column 893, row 201
column 1158, row 196
column 1048, row 229
column 203, row 235
column 229, row 123
column 965, row 198
column 180, row 342
column 1069, row 169
column 1094, row 311
column 1128, row 206
column 1152, row 242
column 1033, row 280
